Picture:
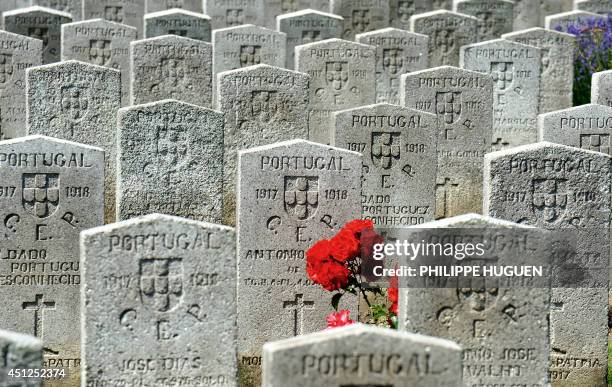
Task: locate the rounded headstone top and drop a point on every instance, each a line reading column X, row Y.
column 295, row 143
column 442, row 12
column 37, row 138
column 37, row 8
column 541, row 145
column 305, row 12
column 77, row 65
column 176, row 11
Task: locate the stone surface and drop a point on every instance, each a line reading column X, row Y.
column 17, row 53
column 51, row 190
column 19, row 351
column 229, row 13
column 531, row 13
column 397, row 52
column 290, row 195
column 341, row 77
column 171, row 66
column 560, row 21
column 177, row 22
column 170, row 161
column 555, row 187
column 399, row 163
column 128, row 12
column 461, row 99
column 77, row 101
column 596, row 6
column 41, row 23
column 601, row 88
column 402, row 10
column 159, row 282
column 515, row 69
column 307, row 26
column 276, row 8
column 103, row 43
column 73, row 7
column 447, row 32
column 262, row 105
column 163, row 5
column 493, row 323
column 495, row 17
column 361, row 15
column 558, row 51
column 407, row 359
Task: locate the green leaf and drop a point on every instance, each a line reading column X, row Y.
column 336, row 300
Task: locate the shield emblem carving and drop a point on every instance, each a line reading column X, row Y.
column 385, row 149
column 75, row 102
column 40, row 193
column 264, row 105
column 6, row 68
column 172, row 144
column 41, row 33
column 309, row 36
column 503, row 74
column 173, row 72
column 393, row 60
column 234, row 17
column 448, row 106
column 301, row 196
column 549, row 198
column 289, row 6
column 443, row 41
column 337, row 74
column 99, row 51
column 161, row 283
column 596, row 142
column 250, row 55
column 60, row 5
column 545, row 59
column 486, row 23
column 405, row 9
column 114, row 13
column 361, row 20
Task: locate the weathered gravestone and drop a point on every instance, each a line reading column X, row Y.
column 402, row 10
column 290, row 195
column 51, row 190
column 41, row 23
column 397, row 52
column 262, row 105
column 171, row 66
column 601, row 88
column 531, row 13
column 19, row 352
column 11, row 5
column 361, row 15
column 77, row 101
column 399, row 163
column 231, row 13
column 163, row 5
column 558, row 51
column 596, row 6
column 587, row 126
column 170, row 160
column 341, row 77
column 17, row 53
column 307, row 26
column 159, row 303
column 277, row 8
column 73, row 7
column 462, row 101
column 501, row 326
column 495, row 17
column 515, row 69
column 447, row 32
column 371, row 356
column 177, row 22
column 560, row 21
column 557, row 187
column 128, row 12
column 103, row 43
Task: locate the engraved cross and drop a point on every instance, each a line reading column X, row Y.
column 443, row 193
column 298, row 306
column 38, row 306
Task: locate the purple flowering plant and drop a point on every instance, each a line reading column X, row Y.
column 594, row 54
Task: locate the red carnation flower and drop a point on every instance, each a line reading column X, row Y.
column 344, row 246
column 340, row 319
column 393, row 294
column 323, row 269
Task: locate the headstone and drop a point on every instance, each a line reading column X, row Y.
column 515, row 69
column 307, row 26
column 462, row 101
column 170, row 161
column 232, row 13
column 171, row 66
column 399, row 164
column 530, row 13
column 103, row 43
column 495, row 17
column 11, row 5
column 73, row 7
column 163, row 5
column 502, row 329
column 341, row 77
column 177, row 22
column 377, row 357
column 262, row 105
column 603, row 7
column 128, row 12
column 277, row 8
column 19, row 352
column 51, row 190
column 397, row 52
column 290, row 195
column 361, row 15
column 560, row 21
column 159, row 303
column 41, row 23
column 402, row 10
column 558, row 51
column 17, row 53
column 77, row 101
column 448, row 32
column 601, row 88
column 557, row 187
